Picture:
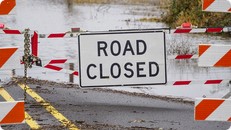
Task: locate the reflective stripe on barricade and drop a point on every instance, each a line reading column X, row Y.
column 9, row 58
column 213, row 110
column 216, row 5
column 12, row 112
column 211, row 55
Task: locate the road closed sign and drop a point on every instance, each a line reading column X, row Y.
column 122, row 58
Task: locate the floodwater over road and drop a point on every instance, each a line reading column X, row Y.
column 55, row 16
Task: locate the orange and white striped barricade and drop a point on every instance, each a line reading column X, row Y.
column 216, row 5
column 9, row 58
column 6, row 6
column 211, row 55
column 212, row 110
column 12, row 113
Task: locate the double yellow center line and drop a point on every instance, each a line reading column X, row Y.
column 29, row 120
column 65, row 122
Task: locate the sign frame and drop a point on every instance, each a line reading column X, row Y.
column 122, row 32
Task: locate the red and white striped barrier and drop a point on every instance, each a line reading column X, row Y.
column 59, row 35
column 12, row 113
column 75, row 34
column 212, row 110
column 9, row 58
column 183, row 57
column 34, row 44
column 216, row 5
column 52, row 35
column 214, row 55
column 9, row 31
column 200, row 30
column 53, row 66
column 174, row 31
column 201, row 82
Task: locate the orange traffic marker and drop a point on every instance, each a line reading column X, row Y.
column 6, row 6
column 207, row 3
column 206, row 107
column 214, row 55
column 212, row 110
column 12, row 112
column 203, row 48
column 216, row 5
column 5, row 54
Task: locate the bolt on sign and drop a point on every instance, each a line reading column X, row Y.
column 216, row 5
column 122, row 58
column 6, row 6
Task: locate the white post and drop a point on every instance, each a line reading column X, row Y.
column 230, row 86
column 1, row 128
column 229, row 128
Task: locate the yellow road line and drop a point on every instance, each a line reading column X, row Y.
column 65, row 122
column 32, row 123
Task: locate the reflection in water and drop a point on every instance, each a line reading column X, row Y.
column 70, row 5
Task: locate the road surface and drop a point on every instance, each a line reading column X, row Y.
column 61, row 106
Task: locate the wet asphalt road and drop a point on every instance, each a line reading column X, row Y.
column 96, row 109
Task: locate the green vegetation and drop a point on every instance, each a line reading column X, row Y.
column 180, row 11
column 150, row 19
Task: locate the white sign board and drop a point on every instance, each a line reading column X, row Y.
column 122, row 58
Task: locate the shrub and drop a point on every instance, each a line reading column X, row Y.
column 180, row 11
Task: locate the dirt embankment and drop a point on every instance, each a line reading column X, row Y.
column 17, row 80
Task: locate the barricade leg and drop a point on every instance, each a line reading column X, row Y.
column 229, row 128
column 230, row 86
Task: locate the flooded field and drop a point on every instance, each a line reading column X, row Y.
column 56, row 16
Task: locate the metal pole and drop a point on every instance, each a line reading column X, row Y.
column 230, row 86
column 71, row 76
column 13, row 73
column 228, row 95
